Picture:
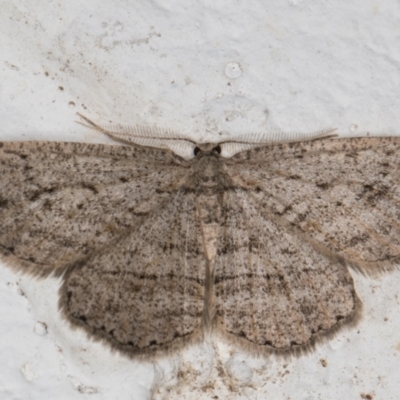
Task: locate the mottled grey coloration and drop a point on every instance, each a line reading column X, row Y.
column 156, row 251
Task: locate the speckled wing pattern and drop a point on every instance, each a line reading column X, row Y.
column 274, row 290
column 149, row 290
column 112, row 221
column 341, row 193
column 304, row 213
column 155, row 251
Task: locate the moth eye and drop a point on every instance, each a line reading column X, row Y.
column 217, row 149
column 196, row 150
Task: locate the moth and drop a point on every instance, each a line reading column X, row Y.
column 157, row 252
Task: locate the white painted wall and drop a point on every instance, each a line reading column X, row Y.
column 203, row 68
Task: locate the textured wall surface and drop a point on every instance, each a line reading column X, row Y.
column 205, row 69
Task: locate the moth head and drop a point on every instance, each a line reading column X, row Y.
column 207, row 148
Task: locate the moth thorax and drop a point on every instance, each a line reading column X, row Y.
column 208, row 169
